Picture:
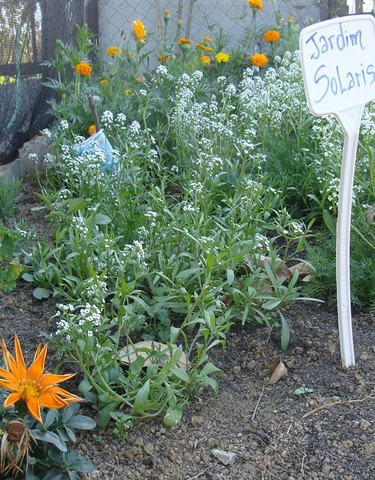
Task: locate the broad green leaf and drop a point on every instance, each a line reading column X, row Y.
column 76, row 204
column 271, row 304
column 181, row 374
column 172, row 416
column 50, row 437
column 28, row 277
column 230, row 276
column 41, row 293
column 142, row 396
column 101, row 219
column 84, row 386
column 81, row 422
column 6, row 248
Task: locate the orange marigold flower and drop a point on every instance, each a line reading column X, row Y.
column 205, row 59
column 31, row 386
column 139, row 31
column 271, row 36
column 185, row 41
column 113, row 51
column 83, row 69
column 259, row 60
column 163, row 59
column 222, row 57
column 201, row 46
column 91, row 130
column 257, row 4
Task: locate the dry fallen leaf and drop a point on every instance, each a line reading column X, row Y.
column 271, row 366
column 280, row 371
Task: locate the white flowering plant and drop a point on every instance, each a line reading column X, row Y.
column 216, row 189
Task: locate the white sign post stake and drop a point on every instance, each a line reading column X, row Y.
column 338, row 66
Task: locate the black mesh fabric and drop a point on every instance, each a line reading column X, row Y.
column 28, row 33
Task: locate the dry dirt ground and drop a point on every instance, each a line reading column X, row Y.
column 267, row 431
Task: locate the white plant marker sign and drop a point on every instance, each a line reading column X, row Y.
column 338, row 66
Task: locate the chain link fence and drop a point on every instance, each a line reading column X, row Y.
column 29, row 30
column 227, row 18
column 28, row 33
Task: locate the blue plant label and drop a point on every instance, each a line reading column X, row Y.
column 98, row 141
column 338, row 63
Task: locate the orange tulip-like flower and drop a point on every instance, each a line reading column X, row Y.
column 256, row 4
column 271, row 36
column 83, row 69
column 30, row 385
column 259, row 60
column 139, row 31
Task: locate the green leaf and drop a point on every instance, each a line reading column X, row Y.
column 50, row 437
column 50, row 418
column 285, row 333
column 302, row 391
column 84, row 386
column 101, row 219
column 104, row 414
column 28, row 278
column 210, row 368
column 76, row 204
column 329, row 222
column 41, row 293
column 271, row 304
column 181, row 374
column 6, row 247
column 230, row 276
column 141, row 397
column 172, row 416
column 79, row 464
column 82, row 422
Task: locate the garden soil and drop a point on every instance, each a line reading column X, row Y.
column 254, row 429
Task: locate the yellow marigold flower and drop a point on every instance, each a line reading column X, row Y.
column 209, row 49
column 206, row 39
column 271, row 36
column 259, row 60
column 205, row 59
column 83, row 69
column 222, row 57
column 30, row 385
column 139, row 31
column 91, row 130
column 257, row 4
column 185, row 41
column 113, row 51
column 103, row 82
